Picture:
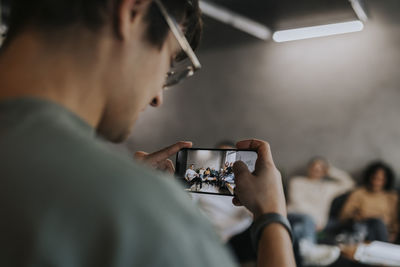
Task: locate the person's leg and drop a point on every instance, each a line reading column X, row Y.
column 304, row 232
column 303, row 227
column 377, row 230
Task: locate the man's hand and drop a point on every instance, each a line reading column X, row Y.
column 160, row 159
column 261, row 191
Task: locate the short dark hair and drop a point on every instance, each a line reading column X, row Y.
column 372, row 168
column 227, row 143
column 52, row 15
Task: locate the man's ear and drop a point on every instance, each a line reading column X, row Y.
column 127, row 13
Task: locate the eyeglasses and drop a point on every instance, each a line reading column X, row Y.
column 184, row 68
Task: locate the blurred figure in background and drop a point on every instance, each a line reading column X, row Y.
column 192, row 177
column 313, row 194
column 190, row 173
column 310, row 198
column 375, row 204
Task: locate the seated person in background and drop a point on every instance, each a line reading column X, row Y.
column 214, row 173
column 207, row 172
column 375, row 204
column 201, row 172
column 229, row 177
column 193, row 177
column 310, row 198
column 191, row 174
column 313, row 194
column 209, row 176
column 226, row 165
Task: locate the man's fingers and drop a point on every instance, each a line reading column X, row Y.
column 169, row 151
column 169, row 166
column 140, row 155
column 240, row 169
column 263, row 149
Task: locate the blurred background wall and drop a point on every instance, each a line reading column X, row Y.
column 337, row 96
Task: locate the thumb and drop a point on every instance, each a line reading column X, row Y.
column 240, row 169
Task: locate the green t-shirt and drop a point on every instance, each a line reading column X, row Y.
column 66, row 199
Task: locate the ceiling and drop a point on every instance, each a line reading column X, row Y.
column 284, row 13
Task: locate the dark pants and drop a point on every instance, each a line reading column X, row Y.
column 376, row 230
column 196, row 181
column 372, row 229
column 303, row 227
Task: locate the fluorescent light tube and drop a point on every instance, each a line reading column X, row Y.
column 359, row 10
column 317, row 31
column 238, row 21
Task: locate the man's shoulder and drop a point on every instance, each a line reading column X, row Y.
column 148, row 211
column 63, row 177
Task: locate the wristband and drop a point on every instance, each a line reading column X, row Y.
column 263, row 221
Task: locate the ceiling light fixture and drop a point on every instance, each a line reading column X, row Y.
column 317, row 31
column 359, row 9
column 237, row 21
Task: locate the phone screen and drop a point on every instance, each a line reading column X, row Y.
column 210, row 171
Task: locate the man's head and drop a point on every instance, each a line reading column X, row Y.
column 317, row 168
column 133, row 42
column 191, row 166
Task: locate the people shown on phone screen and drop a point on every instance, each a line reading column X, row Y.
column 218, row 176
column 191, row 174
column 204, row 180
column 193, row 178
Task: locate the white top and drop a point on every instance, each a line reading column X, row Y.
column 314, row 197
column 190, row 174
column 226, row 218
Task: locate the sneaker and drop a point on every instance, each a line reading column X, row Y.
column 320, row 255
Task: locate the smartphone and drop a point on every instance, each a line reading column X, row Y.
column 209, row 171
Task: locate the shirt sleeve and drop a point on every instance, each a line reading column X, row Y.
column 343, row 180
column 351, row 207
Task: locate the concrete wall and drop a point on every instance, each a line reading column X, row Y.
column 338, row 96
column 205, row 159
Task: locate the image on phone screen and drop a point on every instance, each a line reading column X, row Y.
column 210, row 171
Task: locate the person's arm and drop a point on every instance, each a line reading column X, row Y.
column 342, row 178
column 262, row 193
column 351, row 208
column 187, row 176
column 394, row 218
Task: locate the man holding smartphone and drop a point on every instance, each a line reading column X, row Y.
column 72, row 68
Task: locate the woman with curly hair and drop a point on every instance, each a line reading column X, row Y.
column 375, row 203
